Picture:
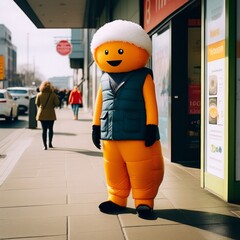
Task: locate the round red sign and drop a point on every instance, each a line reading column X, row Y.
column 64, row 47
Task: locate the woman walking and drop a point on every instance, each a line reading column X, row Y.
column 75, row 99
column 46, row 101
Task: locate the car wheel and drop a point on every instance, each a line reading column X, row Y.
column 9, row 119
column 18, row 113
column 16, row 118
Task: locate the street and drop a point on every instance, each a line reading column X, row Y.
column 6, row 128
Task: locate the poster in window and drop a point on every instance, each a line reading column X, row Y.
column 161, row 59
column 215, row 96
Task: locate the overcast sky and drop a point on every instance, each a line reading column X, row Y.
column 37, row 47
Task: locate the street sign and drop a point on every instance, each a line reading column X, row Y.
column 2, row 76
column 64, row 47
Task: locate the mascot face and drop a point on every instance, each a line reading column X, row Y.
column 119, row 56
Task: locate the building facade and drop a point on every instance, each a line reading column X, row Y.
column 8, row 54
column 64, row 82
column 195, row 62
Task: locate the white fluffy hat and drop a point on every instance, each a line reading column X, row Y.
column 122, row 30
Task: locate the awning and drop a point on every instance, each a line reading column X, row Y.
column 62, row 13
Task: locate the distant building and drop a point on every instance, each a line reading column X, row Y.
column 64, row 82
column 9, row 53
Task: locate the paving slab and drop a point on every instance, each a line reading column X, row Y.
column 34, row 227
column 32, row 197
column 35, row 182
column 95, row 227
column 49, row 211
column 62, row 237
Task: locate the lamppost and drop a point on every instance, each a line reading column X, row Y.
column 27, row 58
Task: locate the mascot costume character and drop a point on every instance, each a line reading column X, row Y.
column 126, row 117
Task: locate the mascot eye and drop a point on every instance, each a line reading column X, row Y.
column 106, row 52
column 120, row 51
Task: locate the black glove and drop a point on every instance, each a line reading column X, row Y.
column 96, row 136
column 150, row 135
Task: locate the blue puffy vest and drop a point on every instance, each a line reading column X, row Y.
column 123, row 110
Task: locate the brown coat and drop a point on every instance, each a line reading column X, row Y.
column 46, row 112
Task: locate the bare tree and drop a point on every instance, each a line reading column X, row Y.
column 29, row 77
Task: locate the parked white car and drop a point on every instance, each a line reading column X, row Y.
column 22, row 95
column 8, row 106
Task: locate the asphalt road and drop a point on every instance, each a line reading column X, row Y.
column 6, row 128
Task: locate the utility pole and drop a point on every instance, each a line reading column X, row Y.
column 27, row 74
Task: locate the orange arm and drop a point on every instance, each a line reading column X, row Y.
column 98, row 108
column 150, row 101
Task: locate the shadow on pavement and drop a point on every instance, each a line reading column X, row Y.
column 81, row 151
column 65, row 134
column 85, row 120
column 220, row 224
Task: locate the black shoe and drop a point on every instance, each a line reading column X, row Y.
column 44, row 148
column 50, row 145
column 110, row 207
column 144, row 211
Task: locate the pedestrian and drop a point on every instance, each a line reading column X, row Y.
column 67, row 94
column 46, row 102
column 75, row 100
column 61, row 96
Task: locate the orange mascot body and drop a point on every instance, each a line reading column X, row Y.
column 126, row 117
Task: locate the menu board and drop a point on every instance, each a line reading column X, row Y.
column 215, row 87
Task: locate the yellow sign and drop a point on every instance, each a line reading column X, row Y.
column 2, row 68
column 216, row 51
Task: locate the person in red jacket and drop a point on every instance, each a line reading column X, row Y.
column 75, row 100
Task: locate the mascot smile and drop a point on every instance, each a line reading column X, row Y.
column 126, row 117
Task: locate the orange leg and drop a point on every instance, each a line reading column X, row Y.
column 129, row 164
column 116, row 174
column 145, row 168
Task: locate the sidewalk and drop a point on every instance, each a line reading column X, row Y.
column 54, row 195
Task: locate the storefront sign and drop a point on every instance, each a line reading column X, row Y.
column 156, row 11
column 215, row 97
column 2, row 76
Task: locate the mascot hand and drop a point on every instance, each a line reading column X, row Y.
column 96, row 136
column 150, row 136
